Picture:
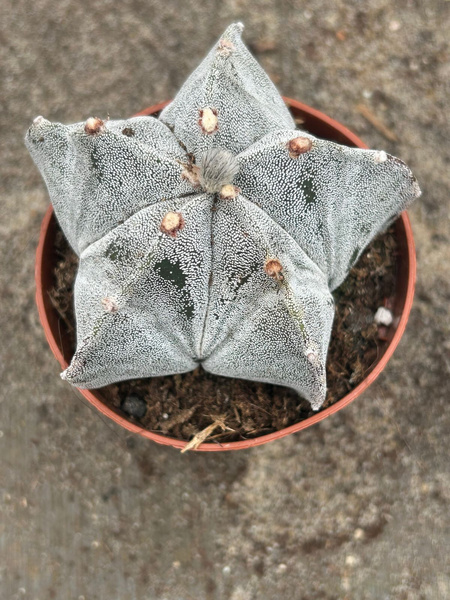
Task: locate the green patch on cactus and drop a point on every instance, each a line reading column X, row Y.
column 244, row 278
column 296, row 313
column 118, row 252
column 320, row 228
column 112, row 251
column 174, row 274
column 237, row 279
column 171, row 272
column 95, row 162
column 308, row 187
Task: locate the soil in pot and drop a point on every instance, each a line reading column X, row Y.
column 182, row 406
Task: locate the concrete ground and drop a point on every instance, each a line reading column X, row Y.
column 356, row 507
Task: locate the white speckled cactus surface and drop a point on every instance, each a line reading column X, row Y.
column 215, row 234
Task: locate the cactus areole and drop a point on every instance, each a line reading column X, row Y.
column 213, row 234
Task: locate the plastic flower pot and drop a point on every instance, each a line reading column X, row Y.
column 321, row 126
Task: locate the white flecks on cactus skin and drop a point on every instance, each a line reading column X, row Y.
column 331, row 199
column 248, row 104
column 215, row 234
column 98, row 181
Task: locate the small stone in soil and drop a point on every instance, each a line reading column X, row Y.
column 134, row 406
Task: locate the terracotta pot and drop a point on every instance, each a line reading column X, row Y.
column 324, row 127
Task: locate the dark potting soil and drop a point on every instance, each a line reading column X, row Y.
column 182, row 406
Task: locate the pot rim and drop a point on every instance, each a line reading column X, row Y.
column 94, row 397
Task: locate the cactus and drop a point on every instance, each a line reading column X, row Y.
column 215, row 234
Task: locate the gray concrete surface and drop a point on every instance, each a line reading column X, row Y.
column 354, row 508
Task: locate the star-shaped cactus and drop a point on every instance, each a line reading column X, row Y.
column 215, row 234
